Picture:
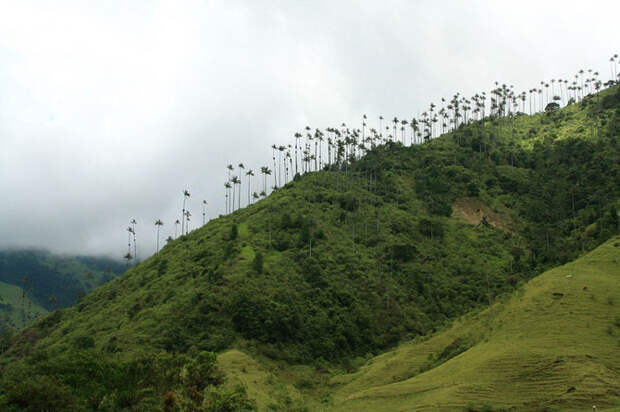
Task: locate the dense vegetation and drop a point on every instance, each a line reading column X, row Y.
column 338, row 263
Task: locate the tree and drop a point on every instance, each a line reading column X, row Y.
column 235, row 181
column 227, row 186
column 128, row 257
column 133, row 226
column 186, row 195
column 176, row 226
column 129, row 232
column 241, row 166
column 187, row 220
column 249, row 174
column 158, row 224
column 204, row 212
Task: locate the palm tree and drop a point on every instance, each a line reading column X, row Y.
column 129, row 232
column 230, row 169
column 297, row 137
column 227, row 186
column 186, row 194
column 275, row 167
column 128, row 257
column 280, row 149
column 204, row 212
column 249, row 174
column 133, row 224
column 176, row 227
column 267, row 173
column 158, row 224
column 241, row 166
column 187, row 216
column 235, row 181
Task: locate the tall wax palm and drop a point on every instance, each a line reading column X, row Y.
column 187, row 220
column 288, row 161
column 280, row 150
column 204, row 212
column 263, row 172
column 230, row 169
column 239, row 195
column 129, row 232
column 235, row 181
column 176, row 227
column 158, row 224
column 364, row 118
column 227, row 186
column 186, row 195
column 317, row 134
column 297, row 137
column 241, row 166
column 249, row 174
column 267, row 173
column 403, row 123
column 320, row 138
column 275, row 167
column 133, row 226
column 128, row 257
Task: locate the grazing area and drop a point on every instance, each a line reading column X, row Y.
column 552, row 345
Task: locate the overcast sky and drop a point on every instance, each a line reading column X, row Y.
column 109, row 109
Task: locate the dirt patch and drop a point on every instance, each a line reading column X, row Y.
column 475, row 212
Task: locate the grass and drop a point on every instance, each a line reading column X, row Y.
column 531, row 352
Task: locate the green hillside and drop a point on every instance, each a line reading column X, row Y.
column 55, row 281
column 16, row 307
column 341, row 265
column 554, row 344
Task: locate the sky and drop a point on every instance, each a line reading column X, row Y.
column 109, row 110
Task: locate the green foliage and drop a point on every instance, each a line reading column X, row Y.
column 257, row 264
column 86, row 380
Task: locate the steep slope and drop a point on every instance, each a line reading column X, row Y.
column 554, row 344
column 350, row 261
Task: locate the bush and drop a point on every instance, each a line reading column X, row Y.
column 257, row 264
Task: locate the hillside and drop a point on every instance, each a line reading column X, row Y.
column 54, row 281
column 555, row 343
column 341, row 264
column 16, row 307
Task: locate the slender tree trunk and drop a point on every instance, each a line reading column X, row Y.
column 233, row 197
column 183, row 216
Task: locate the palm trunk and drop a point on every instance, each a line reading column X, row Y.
column 183, row 216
